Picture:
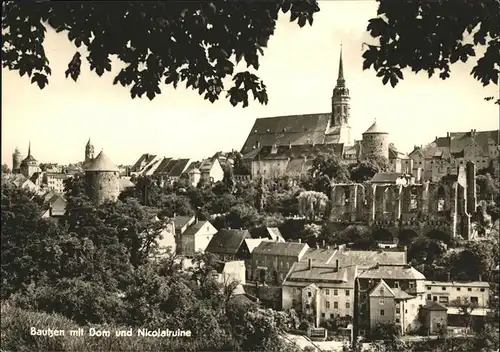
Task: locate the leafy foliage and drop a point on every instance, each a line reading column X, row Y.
column 431, row 35
column 365, row 169
column 198, row 43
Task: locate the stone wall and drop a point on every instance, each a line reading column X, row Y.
column 375, row 144
column 270, row 296
column 102, row 186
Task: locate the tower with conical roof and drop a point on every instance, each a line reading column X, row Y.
column 102, row 180
column 339, row 122
column 16, row 161
column 29, row 165
column 375, row 142
column 89, row 151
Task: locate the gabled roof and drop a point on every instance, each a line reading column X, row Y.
column 206, row 165
column 252, row 243
column 102, row 163
column 275, row 234
column 227, row 241
column 125, row 183
column 181, row 221
column 382, row 290
column 293, row 129
column 289, row 249
column 195, row 228
column 393, row 272
column 144, row 158
column 178, row 168
column 272, row 233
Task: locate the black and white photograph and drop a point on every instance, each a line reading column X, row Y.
column 250, row 176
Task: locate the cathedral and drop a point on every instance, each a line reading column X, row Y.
column 287, row 145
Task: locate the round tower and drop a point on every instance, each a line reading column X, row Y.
column 16, row 161
column 375, row 142
column 102, row 180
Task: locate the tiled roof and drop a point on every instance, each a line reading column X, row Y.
column 386, row 177
column 319, row 255
column 181, row 221
column 275, row 234
column 206, row 165
column 146, row 158
column 293, row 129
column 283, row 152
column 365, row 259
column 458, row 284
column 163, row 167
column 179, row 168
column 272, row 233
column 401, row 294
column 431, row 305
column 289, row 249
column 393, row 272
column 227, row 241
column 381, row 289
column 102, row 163
column 194, row 228
column 324, row 273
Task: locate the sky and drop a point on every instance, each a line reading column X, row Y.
column 299, row 68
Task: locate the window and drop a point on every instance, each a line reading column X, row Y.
column 482, row 290
column 396, row 284
column 382, row 312
column 322, row 315
column 397, row 320
column 327, row 304
column 429, row 297
column 335, row 305
column 335, row 292
column 443, row 299
column 412, row 284
column 381, row 302
column 428, row 287
column 458, row 288
column 474, row 300
column 469, row 289
column 347, row 305
column 327, row 291
column 309, row 294
column 347, row 292
column 443, row 288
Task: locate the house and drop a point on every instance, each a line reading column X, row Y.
column 271, row 233
column 163, row 168
column 182, row 223
column 196, row 237
column 319, row 255
column 435, row 318
column 251, row 244
column 391, row 305
column 56, row 206
column 445, row 293
column 324, row 290
column 271, row 261
column 397, row 277
column 229, row 244
column 230, row 272
column 211, row 170
column 366, row 259
column 55, row 181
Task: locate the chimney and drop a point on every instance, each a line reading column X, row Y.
column 300, row 241
column 323, row 243
column 449, row 276
column 337, row 265
column 310, row 263
column 480, row 277
column 405, row 249
column 290, row 144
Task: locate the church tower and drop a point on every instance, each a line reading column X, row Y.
column 339, row 123
column 16, row 162
column 89, row 151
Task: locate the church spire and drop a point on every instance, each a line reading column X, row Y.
column 340, row 79
column 29, row 148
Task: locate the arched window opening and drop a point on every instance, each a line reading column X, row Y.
column 440, row 199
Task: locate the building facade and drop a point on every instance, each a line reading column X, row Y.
column 446, row 292
column 102, row 180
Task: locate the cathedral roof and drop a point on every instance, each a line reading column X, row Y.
column 292, row 129
column 375, row 128
column 102, row 163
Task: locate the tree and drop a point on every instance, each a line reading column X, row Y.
column 430, row 36
column 312, row 204
column 465, row 308
column 193, row 42
column 327, row 169
column 365, row 169
column 243, row 216
column 487, row 187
